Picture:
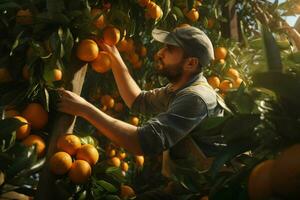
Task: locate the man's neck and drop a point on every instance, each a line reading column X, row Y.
column 181, row 82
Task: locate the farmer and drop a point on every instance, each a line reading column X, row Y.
column 180, row 106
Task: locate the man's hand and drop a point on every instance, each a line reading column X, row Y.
column 71, row 103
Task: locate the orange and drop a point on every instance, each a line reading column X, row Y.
column 102, row 63
column 154, row 11
column 143, row 3
column 126, row 192
column 121, row 155
column 183, row 25
column 137, row 65
column 133, row 57
column 80, row 171
column 119, row 107
column 88, row 153
column 108, row 101
column 24, row 17
column 233, row 73
column 60, row 163
column 4, row 75
column 259, row 183
column 35, row 140
column 115, row 161
column 220, row 53
column 87, row 50
column 237, row 83
column 111, row 153
column 123, row 45
column 111, row 36
column 69, row 143
column 143, row 51
column 139, row 160
column 214, row 81
column 225, row 85
column 24, row 130
column 192, row 15
column 210, row 23
column 25, row 72
column 36, row 115
column 286, row 173
column 130, row 45
column 57, row 74
column 124, row 166
column 134, row 121
column 204, row 198
column 100, row 21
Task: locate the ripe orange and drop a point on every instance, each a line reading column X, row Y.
column 119, row 107
column 183, row 25
column 102, row 63
column 133, row 57
column 25, row 72
column 111, row 36
column 237, row 83
column 88, row 153
column 80, row 171
column 192, row 15
column 286, row 173
column 139, row 160
column 210, row 23
column 87, row 50
column 143, row 3
column 111, row 153
column 121, row 155
column 4, row 75
column 69, row 143
column 143, row 51
column 259, row 183
column 233, row 73
column 24, row 130
column 60, row 163
column 154, row 11
column 137, row 65
column 108, row 101
column 115, row 161
column 24, row 17
column 225, row 85
column 122, row 45
column 100, row 21
column 124, row 166
column 35, row 140
column 134, row 121
column 36, row 115
column 214, row 81
column 204, row 198
column 126, row 192
column 57, row 74
column 220, row 53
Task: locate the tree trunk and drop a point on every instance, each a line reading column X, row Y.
column 47, row 189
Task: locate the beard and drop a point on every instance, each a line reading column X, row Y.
column 171, row 72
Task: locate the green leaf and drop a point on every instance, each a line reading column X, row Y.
column 107, row 186
column 54, row 6
column 112, row 197
column 272, row 51
column 226, row 155
column 177, row 11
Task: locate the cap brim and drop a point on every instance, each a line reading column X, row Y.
column 163, row 37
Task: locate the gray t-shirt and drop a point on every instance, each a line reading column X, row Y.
column 178, row 115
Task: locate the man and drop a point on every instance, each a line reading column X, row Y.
column 180, row 106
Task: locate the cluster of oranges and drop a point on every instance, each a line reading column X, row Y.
column 278, row 176
column 193, row 14
column 133, row 52
column 86, row 156
column 153, row 11
column 231, row 79
column 34, row 117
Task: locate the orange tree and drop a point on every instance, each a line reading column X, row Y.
column 41, row 41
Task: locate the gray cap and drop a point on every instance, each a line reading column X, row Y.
column 194, row 42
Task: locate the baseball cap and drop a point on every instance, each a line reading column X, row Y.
column 194, row 42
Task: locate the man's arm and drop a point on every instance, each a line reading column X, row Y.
column 121, row 133
column 127, row 87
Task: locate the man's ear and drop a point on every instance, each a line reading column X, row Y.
column 192, row 63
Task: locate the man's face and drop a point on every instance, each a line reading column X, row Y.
column 169, row 62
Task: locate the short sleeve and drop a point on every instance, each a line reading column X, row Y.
column 152, row 101
column 168, row 128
